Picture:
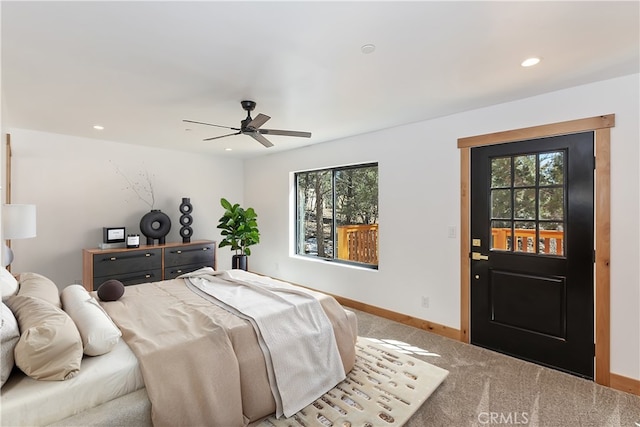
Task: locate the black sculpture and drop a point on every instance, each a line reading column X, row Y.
column 186, row 220
column 155, row 225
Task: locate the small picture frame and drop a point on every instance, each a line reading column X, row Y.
column 113, row 234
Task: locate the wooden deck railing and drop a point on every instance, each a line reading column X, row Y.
column 552, row 240
column 358, row 243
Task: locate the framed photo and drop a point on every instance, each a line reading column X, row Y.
column 113, row 234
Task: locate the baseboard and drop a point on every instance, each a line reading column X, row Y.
column 625, row 384
column 436, row 328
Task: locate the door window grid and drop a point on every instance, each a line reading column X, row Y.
column 527, row 201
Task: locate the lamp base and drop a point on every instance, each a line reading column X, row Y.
column 7, row 255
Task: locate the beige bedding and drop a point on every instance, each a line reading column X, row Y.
column 27, row 402
column 201, row 364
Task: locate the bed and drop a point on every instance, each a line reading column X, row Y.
column 189, row 356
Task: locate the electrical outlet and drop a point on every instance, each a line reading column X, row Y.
column 425, row 302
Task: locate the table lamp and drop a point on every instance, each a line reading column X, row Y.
column 18, row 222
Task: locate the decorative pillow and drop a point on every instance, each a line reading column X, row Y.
column 36, row 285
column 111, row 290
column 99, row 333
column 50, row 347
column 8, row 283
column 9, row 336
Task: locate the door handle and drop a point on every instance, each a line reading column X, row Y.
column 477, row 256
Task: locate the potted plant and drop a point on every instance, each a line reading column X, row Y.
column 239, row 231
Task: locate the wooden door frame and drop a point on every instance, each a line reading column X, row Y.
column 601, row 126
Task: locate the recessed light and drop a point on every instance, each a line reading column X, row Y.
column 368, row 48
column 98, row 127
column 529, row 62
column 228, row 149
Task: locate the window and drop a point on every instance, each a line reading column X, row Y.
column 337, row 214
column 528, row 203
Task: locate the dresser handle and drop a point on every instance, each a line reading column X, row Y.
column 206, row 248
column 147, row 275
column 147, row 254
column 113, row 258
column 178, row 252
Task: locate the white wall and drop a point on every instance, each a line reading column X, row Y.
column 79, row 186
column 419, row 198
column 77, row 189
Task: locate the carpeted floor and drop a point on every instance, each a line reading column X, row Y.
column 485, row 388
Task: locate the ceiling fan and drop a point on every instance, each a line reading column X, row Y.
column 252, row 128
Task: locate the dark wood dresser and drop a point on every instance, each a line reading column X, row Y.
column 148, row 263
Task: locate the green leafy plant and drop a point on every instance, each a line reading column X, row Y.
column 239, row 228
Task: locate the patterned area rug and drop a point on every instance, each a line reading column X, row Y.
column 384, row 388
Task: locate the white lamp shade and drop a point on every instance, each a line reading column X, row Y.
column 18, row 221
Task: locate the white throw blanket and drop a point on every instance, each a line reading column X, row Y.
column 294, row 332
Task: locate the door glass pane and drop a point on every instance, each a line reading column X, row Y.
column 527, row 203
column 551, row 202
column 525, row 236
column 501, row 204
column 524, row 171
column 551, row 238
column 524, row 203
column 501, row 172
column 501, row 235
column 551, row 168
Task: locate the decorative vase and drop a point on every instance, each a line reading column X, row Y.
column 155, row 225
column 186, row 220
column 239, row 262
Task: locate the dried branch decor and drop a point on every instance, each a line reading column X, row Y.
column 142, row 186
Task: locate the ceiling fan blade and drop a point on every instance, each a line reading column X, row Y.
column 258, row 121
column 223, row 136
column 209, row 124
column 285, row 132
column 261, row 139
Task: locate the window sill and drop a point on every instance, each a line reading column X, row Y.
column 334, row 262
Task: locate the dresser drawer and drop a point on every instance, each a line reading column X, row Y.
column 189, row 254
column 173, row 272
column 110, row 264
column 131, row 278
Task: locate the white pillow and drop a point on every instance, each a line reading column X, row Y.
column 8, row 283
column 99, row 333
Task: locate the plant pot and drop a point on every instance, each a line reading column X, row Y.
column 239, row 262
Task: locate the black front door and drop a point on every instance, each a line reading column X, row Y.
column 532, row 223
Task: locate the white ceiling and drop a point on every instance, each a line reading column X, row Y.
column 139, row 68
